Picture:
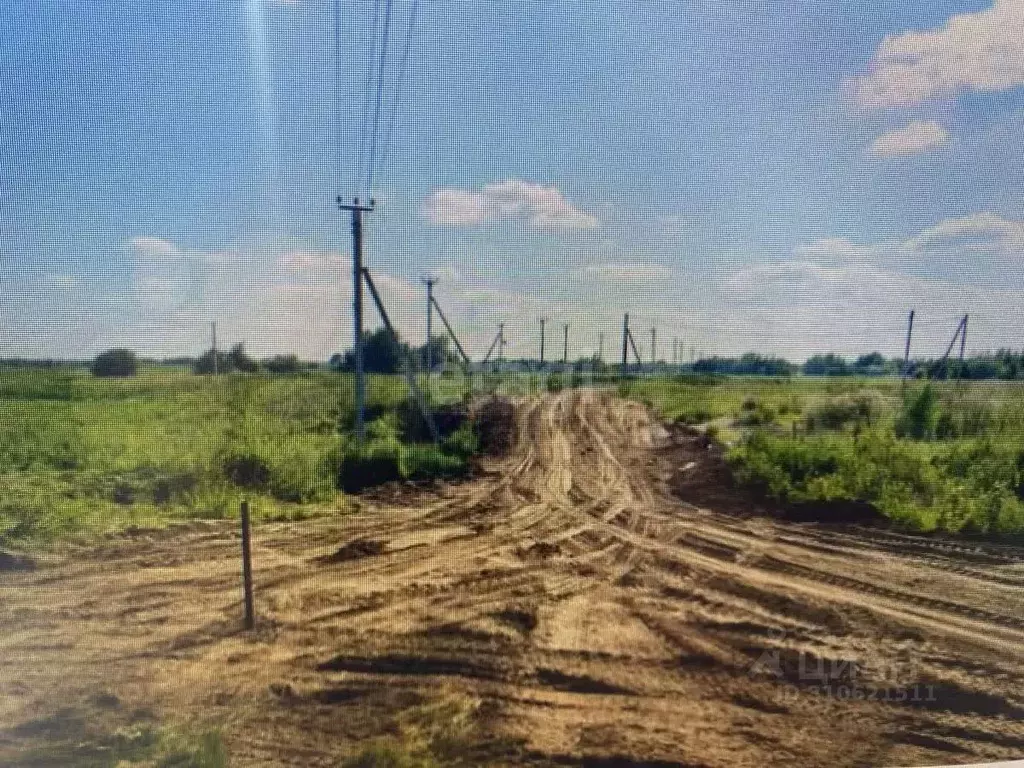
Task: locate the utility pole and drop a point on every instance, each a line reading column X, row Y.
column 213, row 326
column 565, row 344
column 654, row 349
column 429, row 282
column 542, row 321
column 625, row 341
column 963, row 343
column 906, row 351
column 501, row 343
column 600, row 346
column 357, row 307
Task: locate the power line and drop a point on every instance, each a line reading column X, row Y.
column 380, row 97
column 398, row 86
column 337, row 86
column 367, row 90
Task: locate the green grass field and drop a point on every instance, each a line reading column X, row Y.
column 80, row 454
column 940, row 456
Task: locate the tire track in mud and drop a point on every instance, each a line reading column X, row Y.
column 592, row 614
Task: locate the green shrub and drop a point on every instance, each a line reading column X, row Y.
column 247, row 469
column 836, row 413
column 918, row 416
column 424, row 461
column 464, row 442
column 115, row 363
column 555, row 383
column 377, row 461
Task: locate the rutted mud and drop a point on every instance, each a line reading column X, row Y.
column 595, row 617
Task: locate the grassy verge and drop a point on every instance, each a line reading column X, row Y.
column 80, row 455
column 937, row 457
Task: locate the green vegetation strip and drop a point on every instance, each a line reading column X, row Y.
column 82, row 455
column 936, row 457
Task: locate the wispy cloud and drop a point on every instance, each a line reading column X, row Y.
column 965, row 240
column 539, row 206
column 914, row 138
column 631, row 272
column 150, row 247
column 971, row 52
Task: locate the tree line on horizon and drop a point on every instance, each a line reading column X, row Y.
column 385, row 353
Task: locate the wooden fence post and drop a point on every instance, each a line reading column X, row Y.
column 250, row 618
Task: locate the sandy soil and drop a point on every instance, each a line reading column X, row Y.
column 588, row 614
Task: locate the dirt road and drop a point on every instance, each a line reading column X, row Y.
column 565, row 606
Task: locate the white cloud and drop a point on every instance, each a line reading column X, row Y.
column 979, row 233
column 973, row 52
column 835, row 248
column 153, row 247
column 634, row 272
column 914, row 138
column 542, row 207
column 967, row 240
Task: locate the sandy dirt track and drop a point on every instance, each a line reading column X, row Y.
column 590, row 615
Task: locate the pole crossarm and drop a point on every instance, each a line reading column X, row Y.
column 410, row 374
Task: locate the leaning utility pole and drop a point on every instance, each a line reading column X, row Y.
column 499, row 342
column 357, row 307
column 213, row 326
column 542, row 321
column 429, row 282
column 625, row 341
column 906, row 351
column 961, row 331
column 565, row 344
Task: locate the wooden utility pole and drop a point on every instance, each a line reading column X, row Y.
column 357, row 307
column 542, row 321
column 600, row 346
column 429, row 282
column 654, row 348
column 565, row 344
column 213, row 326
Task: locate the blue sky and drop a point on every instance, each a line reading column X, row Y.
column 787, row 178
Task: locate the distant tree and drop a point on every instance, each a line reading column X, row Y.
column 115, row 362
column 749, row 364
column 239, row 361
column 337, row 362
column 440, row 351
column 826, row 365
column 382, row 352
column 204, row 363
column 283, row 364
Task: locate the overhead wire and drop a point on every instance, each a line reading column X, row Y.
column 367, row 91
column 380, row 97
column 402, row 65
column 338, row 120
